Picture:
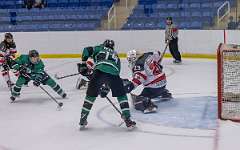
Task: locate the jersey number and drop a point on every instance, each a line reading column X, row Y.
column 155, row 68
column 107, row 55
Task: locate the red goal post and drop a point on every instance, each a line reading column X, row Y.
column 228, row 66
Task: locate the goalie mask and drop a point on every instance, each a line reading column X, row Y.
column 132, row 57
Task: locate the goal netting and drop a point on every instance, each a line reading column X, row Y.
column 228, row 59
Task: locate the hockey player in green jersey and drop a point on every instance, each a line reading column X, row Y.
column 31, row 67
column 106, row 71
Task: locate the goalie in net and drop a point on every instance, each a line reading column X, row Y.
column 147, row 70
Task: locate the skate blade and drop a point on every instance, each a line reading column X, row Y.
column 82, row 128
column 131, row 128
column 150, row 111
column 11, row 101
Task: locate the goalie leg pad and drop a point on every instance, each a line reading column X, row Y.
column 156, row 92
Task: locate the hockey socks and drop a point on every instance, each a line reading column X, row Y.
column 87, row 106
column 123, row 101
column 59, row 90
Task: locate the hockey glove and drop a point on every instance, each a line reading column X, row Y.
column 104, row 90
column 82, row 69
column 37, row 81
column 24, row 70
column 128, row 85
column 5, row 66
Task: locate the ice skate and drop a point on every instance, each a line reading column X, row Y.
column 129, row 123
column 151, row 108
column 83, row 123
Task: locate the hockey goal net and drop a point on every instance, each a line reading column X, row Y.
column 228, row 60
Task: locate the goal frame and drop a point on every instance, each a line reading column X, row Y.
column 221, row 49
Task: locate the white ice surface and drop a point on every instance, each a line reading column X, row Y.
column 32, row 123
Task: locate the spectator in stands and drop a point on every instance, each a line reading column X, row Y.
column 238, row 23
column 231, row 24
column 28, row 4
column 171, row 37
column 39, row 4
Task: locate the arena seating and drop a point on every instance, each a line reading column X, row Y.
column 59, row 15
column 187, row 14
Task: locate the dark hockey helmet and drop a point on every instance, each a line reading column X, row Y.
column 34, row 56
column 109, row 43
column 8, row 36
column 169, row 20
column 33, row 53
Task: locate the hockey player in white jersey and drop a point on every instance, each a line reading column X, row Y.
column 147, row 70
column 7, row 53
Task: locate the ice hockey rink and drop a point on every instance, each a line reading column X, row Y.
column 188, row 122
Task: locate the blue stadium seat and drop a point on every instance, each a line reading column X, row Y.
column 194, row 5
column 196, row 14
column 150, row 25
column 196, row 25
column 62, row 3
column 207, row 14
column 184, row 25
column 73, row 3
column 172, row 6
column 161, row 6
column 52, row 3
column 206, row 5
column 183, row 5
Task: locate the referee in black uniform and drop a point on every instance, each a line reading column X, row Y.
column 171, row 36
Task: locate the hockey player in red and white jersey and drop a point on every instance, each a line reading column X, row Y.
column 7, row 53
column 147, row 70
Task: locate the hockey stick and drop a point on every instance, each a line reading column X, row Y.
column 163, row 53
column 10, row 82
column 115, row 107
column 60, row 104
column 62, row 77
